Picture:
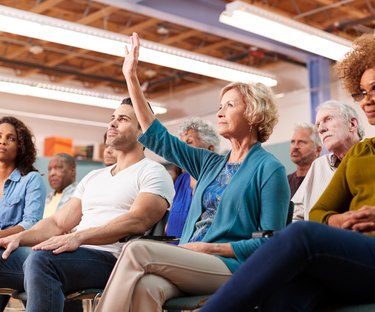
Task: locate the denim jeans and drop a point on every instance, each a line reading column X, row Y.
column 299, row 268
column 11, row 273
column 49, row 276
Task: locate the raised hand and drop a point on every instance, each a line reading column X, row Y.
column 131, row 57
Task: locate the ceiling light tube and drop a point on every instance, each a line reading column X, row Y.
column 66, row 94
column 81, row 122
column 85, row 37
column 279, row 28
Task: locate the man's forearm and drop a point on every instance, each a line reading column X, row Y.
column 112, row 232
column 41, row 231
column 10, row 231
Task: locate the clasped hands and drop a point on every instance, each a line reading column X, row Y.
column 362, row 220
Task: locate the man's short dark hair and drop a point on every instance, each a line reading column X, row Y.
column 128, row 101
column 67, row 158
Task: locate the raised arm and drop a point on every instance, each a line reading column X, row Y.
column 142, row 110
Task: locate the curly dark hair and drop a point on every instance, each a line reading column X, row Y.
column 26, row 151
column 356, row 62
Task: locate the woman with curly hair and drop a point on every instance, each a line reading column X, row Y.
column 310, row 263
column 236, row 194
column 22, row 191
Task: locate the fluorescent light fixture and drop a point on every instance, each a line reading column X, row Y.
column 80, row 36
column 286, row 30
column 65, row 94
column 81, row 122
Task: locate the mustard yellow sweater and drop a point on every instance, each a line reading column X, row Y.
column 352, row 186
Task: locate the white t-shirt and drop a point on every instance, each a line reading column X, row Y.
column 105, row 197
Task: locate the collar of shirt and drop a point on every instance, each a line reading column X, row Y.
column 334, row 161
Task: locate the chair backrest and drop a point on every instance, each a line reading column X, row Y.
column 156, row 231
column 290, row 213
column 159, row 228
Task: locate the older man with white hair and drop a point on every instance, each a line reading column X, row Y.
column 339, row 129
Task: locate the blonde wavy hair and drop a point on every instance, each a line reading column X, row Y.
column 356, row 62
column 261, row 111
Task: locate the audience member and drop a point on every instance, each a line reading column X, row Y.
column 305, row 147
column 61, row 178
column 231, row 200
column 22, row 191
column 197, row 133
column 109, row 203
column 310, row 263
column 173, row 170
column 339, row 129
column 109, row 153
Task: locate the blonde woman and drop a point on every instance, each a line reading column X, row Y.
column 237, row 193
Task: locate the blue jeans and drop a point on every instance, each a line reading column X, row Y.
column 49, row 276
column 11, row 273
column 299, row 268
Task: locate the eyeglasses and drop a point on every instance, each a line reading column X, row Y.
column 358, row 97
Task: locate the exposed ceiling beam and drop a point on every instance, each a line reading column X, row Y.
column 203, row 15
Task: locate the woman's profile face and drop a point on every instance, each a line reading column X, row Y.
column 367, row 84
column 231, row 115
column 8, row 143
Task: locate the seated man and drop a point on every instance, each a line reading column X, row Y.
column 108, row 204
column 61, row 178
column 305, row 147
column 339, row 129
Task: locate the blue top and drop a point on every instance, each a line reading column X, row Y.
column 180, row 206
column 211, row 200
column 257, row 197
column 23, row 200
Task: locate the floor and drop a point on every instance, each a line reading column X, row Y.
column 14, row 305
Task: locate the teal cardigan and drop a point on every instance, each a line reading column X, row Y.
column 256, row 198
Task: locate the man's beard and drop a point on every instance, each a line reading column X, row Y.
column 121, row 143
column 305, row 160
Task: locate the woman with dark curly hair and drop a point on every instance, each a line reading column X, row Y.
column 310, row 263
column 22, row 191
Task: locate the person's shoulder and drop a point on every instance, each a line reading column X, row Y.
column 33, row 175
column 322, row 159
column 32, row 178
column 267, row 158
column 365, row 145
column 367, row 142
column 97, row 172
column 150, row 164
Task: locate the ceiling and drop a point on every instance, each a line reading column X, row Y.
column 186, row 24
